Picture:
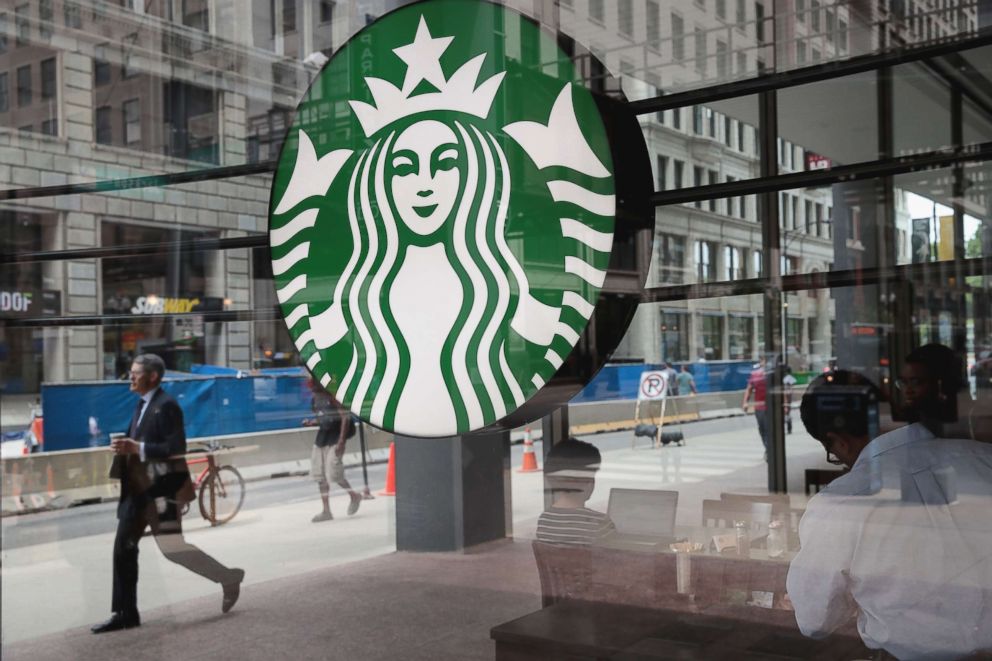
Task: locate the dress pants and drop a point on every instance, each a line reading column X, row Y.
column 167, row 530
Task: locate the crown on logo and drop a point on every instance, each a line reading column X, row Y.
column 423, row 57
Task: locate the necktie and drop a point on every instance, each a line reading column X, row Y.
column 133, row 429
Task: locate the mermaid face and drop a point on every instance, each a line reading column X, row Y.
column 425, row 164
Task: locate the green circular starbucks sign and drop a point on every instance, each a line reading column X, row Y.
column 442, row 217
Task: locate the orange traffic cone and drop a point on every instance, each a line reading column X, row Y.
column 390, row 489
column 529, row 464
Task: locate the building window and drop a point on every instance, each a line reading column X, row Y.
column 677, row 119
column 101, row 67
column 740, row 135
column 678, row 38
column 732, row 201
column 697, row 120
column 24, row 86
column 674, row 336
column 819, row 218
column 794, row 204
column 22, row 25
column 596, row 10
column 814, row 15
column 741, row 13
column 196, row 15
column 288, row 16
column 697, row 181
column 127, row 47
column 45, row 16
column 794, row 334
column 4, row 93
column 831, row 25
column 326, row 11
column 710, row 121
column 842, row 35
column 3, row 32
column 678, row 169
column 808, row 222
column 800, row 51
column 801, row 11
column 790, row 265
column 711, row 337
column 48, row 78
column 733, row 263
column 705, row 254
column 759, row 23
column 700, row 51
column 50, row 127
column 728, row 134
column 740, row 338
column 132, row 122
column 104, row 129
column 662, row 173
column 671, row 259
column 625, row 17
column 652, row 24
column 757, row 264
column 816, row 55
column 722, row 59
column 711, row 203
column 721, row 9
column 72, row 15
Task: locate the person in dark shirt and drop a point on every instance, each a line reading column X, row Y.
column 326, row 465
column 571, row 473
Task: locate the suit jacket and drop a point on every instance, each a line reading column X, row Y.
column 162, row 431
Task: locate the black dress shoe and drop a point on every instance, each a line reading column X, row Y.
column 232, row 590
column 117, row 622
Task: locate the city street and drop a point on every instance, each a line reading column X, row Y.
column 57, row 565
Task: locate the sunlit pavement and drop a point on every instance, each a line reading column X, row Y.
column 63, row 585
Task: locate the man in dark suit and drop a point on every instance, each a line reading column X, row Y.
column 155, row 484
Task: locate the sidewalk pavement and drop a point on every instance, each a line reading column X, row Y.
column 338, row 590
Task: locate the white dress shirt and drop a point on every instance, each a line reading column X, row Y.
column 906, row 539
column 147, row 399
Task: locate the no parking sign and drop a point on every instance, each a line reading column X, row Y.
column 654, row 386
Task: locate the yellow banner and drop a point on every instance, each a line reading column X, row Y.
column 945, row 240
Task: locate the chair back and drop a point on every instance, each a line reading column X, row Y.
column 817, row 478
column 564, row 571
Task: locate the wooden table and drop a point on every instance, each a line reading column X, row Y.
column 574, row 630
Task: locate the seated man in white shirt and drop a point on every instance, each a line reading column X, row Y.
column 903, row 541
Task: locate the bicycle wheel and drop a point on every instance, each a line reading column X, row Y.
column 221, row 495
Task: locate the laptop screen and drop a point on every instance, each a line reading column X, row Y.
column 643, row 511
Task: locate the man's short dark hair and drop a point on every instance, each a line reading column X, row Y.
column 942, row 364
column 570, row 460
column 151, row 363
column 847, row 418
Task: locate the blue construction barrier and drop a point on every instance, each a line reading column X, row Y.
column 621, row 381
column 212, row 406
column 218, row 401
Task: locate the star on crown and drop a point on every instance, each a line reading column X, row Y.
column 423, row 60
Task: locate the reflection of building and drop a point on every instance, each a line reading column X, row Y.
column 93, row 90
column 718, row 240
column 102, row 90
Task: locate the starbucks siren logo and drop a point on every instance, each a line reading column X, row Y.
column 439, row 242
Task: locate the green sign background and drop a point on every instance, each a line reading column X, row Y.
column 536, row 75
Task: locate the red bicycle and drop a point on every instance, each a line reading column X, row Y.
column 221, row 488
